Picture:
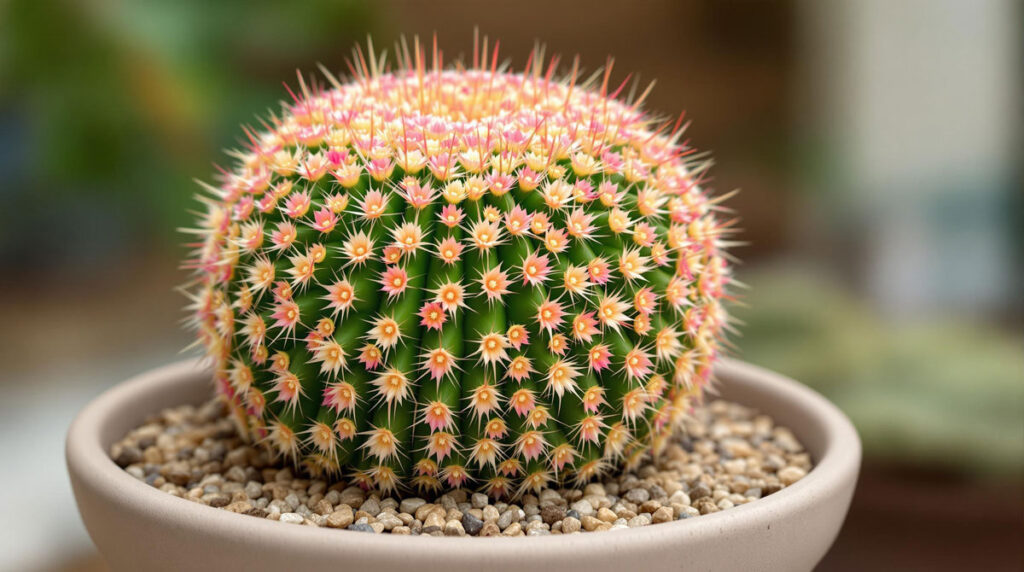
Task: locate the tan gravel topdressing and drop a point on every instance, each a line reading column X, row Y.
column 729, row 456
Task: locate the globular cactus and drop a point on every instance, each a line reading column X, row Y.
column 431, row 278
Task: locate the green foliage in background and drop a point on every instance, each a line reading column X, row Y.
column 947, row 393
column 109, row 109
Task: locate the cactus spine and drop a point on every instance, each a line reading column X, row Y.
column 430, row 278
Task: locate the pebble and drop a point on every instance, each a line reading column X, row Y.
column 253, row 489
column 177, row 472
column 734, row 466
column 291, row 518
column 471, row 524
column 505, row 519
column 448, row 502
column 242, row 507
column 454, row 528
column 389, row 521
column 679, row 497
column 583, row 508
column 422, row 512
column 790, row 475
column 571, row 525
column 340, row 518
column 490, row 513
column 217, row 500
column 371, row 506
column 129, row 455
column 639, row 520
column 535, row 525
column 606, row 515
column 410, row 505
column 589, row 523
column 663, row 514
column 637, row 495
column 700, row 491
column 729, row 455
column 706, row 506
column 434, row 519
column 552, row 514
column 352, row 496
column 322, row 507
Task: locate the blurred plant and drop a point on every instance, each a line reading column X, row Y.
column 946, row 393
column 109, row 107
column 436, row 277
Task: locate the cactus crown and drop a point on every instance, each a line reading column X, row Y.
column 431, row 277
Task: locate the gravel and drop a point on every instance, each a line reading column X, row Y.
column 730, row 455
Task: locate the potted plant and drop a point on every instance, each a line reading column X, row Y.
column 428, row 282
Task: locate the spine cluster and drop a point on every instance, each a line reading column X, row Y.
column 434, row 278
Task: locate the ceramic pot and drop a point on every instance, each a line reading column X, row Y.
column 137, row 527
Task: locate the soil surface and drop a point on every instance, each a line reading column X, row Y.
column 729, row 455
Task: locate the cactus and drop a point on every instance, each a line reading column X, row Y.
column 434, row 277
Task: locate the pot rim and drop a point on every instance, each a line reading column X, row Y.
column 89, row 461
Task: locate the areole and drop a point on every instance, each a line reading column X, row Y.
column 139, row 528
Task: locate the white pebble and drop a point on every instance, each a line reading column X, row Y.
column 583, row 507
column 639, row 520
column 292, row 518
column 679, row 497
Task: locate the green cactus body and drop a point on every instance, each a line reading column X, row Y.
column 431, row 278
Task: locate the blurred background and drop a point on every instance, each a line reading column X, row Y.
column 877, row 145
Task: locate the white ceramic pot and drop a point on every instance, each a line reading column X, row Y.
column 137, row 527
